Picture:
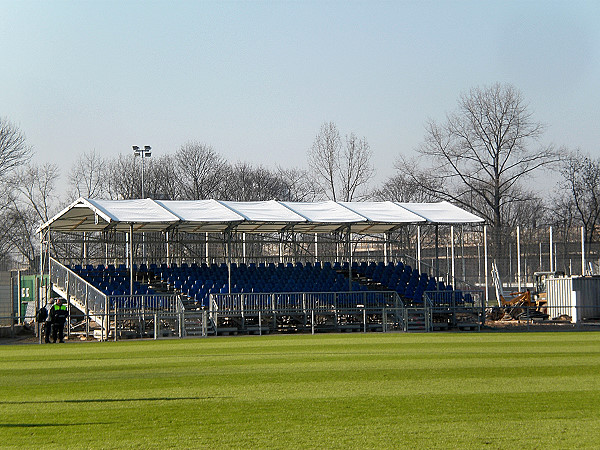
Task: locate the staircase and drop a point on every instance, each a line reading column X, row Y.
column 417, row 319
column 197, row 323
column 78, row 292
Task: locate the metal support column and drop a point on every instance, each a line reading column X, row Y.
column 349, row 247
column 452, row 247
column 582, row 251
column 168, row 249
column 130, row 259
column 437, row 252
column 485, row 262
column 551, row 252
column 419, row 248
column 518, row 259
column 229, row 262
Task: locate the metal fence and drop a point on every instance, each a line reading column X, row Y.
column 302, row 301
column 456, row 299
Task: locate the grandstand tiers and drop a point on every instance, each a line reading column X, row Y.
column 198, row 282
column 322, row 289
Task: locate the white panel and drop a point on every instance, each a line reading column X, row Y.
column 442, row 212
column 384, row 212
column 267, row 211
column 324, row 212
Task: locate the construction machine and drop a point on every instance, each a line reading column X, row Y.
column 523, row 304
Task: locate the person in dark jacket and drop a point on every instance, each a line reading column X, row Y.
column 48, row 324
column 58, row 317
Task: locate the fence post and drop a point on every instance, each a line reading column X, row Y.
column 12, row 305
column 384, row 320
column 364, row 319
column 155, row 326
column 106, row 317
column 312, row 321
column 204, row 324
column 87, row 317
column 181, row 324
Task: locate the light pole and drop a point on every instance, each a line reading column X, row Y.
column 143, row 153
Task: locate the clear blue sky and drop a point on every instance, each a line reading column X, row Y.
column 256, row 79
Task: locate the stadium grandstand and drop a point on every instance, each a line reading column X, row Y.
column 151, row 268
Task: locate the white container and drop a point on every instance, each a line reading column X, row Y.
column 577, row 297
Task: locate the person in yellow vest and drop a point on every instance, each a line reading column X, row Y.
column 58, row 317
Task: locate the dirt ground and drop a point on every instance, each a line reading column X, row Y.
column 547, row 325
column 26, row 334
column 21, row 334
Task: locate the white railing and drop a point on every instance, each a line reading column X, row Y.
column 97, row 302
column 87, row 296
column 168, row 303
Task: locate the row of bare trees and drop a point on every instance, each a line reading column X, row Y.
column 483, row 157
column 194, row 172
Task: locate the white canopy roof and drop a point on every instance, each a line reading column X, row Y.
column 98, row 215
column 441, row 212
column 201, row 215
column 383, row 216
column 323, row 216
column 261, row 217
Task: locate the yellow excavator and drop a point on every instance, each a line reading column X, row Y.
column 520, row 305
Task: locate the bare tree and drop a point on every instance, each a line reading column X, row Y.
column 416, row 186
column 33, row 202
column 13, row 149
column 163, row 179
column 355, row 167
column 324, row 158
column 124, row 178
column 245, row 183
column 88, row 176
column 14, row 152
column 580, row 197
column 342, row 171
column 299, row 185
column 482, row 154
column 200, row 170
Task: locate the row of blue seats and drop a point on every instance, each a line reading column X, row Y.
column 200, row 281
column 113, row 281
column 409, row 284
column 184, row 266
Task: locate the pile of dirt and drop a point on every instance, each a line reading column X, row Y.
column 17, row 334
column 543, row 325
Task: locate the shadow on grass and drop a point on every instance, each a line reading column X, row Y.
column 107, row 400
column 41, row 425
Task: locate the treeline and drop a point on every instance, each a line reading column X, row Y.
column 482, row 157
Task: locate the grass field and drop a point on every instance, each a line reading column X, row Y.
column 485, row 390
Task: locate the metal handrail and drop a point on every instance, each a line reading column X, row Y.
column 454, row 298
column 97, row 302
column 74, row 286
column 302, row 301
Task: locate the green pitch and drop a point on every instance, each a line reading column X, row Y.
column 486, row 390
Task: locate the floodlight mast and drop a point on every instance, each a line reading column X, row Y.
column 142, row 153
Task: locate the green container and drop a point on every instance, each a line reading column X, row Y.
column 29, row 292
